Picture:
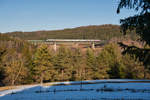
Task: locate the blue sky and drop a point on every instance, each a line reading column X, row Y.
column 33, row 15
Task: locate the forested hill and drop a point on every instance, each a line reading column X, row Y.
column 103, row 32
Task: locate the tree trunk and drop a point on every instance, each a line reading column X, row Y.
column 145, row 72
column 77, row 73
column 41, row 79
column 62, row 74
column 13, row 82
column 18, row 74
column 84, row 72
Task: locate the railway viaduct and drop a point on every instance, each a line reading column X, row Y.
column 74, row 42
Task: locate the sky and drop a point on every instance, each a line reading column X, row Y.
column 34, row 15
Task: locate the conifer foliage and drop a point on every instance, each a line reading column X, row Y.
column 42, row 64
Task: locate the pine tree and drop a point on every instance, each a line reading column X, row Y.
column 134, row 69
column 63, row 63
column 102, row 69
column 91, row 63
column 111, row 59
column 42, row 64
column 78, row 71
column 2, row 53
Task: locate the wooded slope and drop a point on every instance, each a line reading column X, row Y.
column 104, row 32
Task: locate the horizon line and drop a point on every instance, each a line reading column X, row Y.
column 59, row 29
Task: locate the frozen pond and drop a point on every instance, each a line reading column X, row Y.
column 98, row 90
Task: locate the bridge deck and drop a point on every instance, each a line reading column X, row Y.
column 72, row 40
column 66, row 40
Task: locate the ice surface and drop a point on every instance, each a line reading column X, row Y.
column 101, row 90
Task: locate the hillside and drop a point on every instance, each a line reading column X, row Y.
column 104, row 32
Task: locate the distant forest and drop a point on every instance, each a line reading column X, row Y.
column 103, row 32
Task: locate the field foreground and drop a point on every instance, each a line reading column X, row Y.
column 85, row 90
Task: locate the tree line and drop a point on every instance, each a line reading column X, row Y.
column 24, row 63
column 103, row 32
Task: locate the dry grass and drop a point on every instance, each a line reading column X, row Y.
column 7, row 88
column 14, row 87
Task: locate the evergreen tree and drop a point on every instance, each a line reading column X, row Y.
column 139, row 22
column 134, row 69
column 91, row 63
column 2, row 53
column 42, row 64
column 62, row 64
column 102, row 69
column 111, row 58
column 79, row 67
column 117, row 71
